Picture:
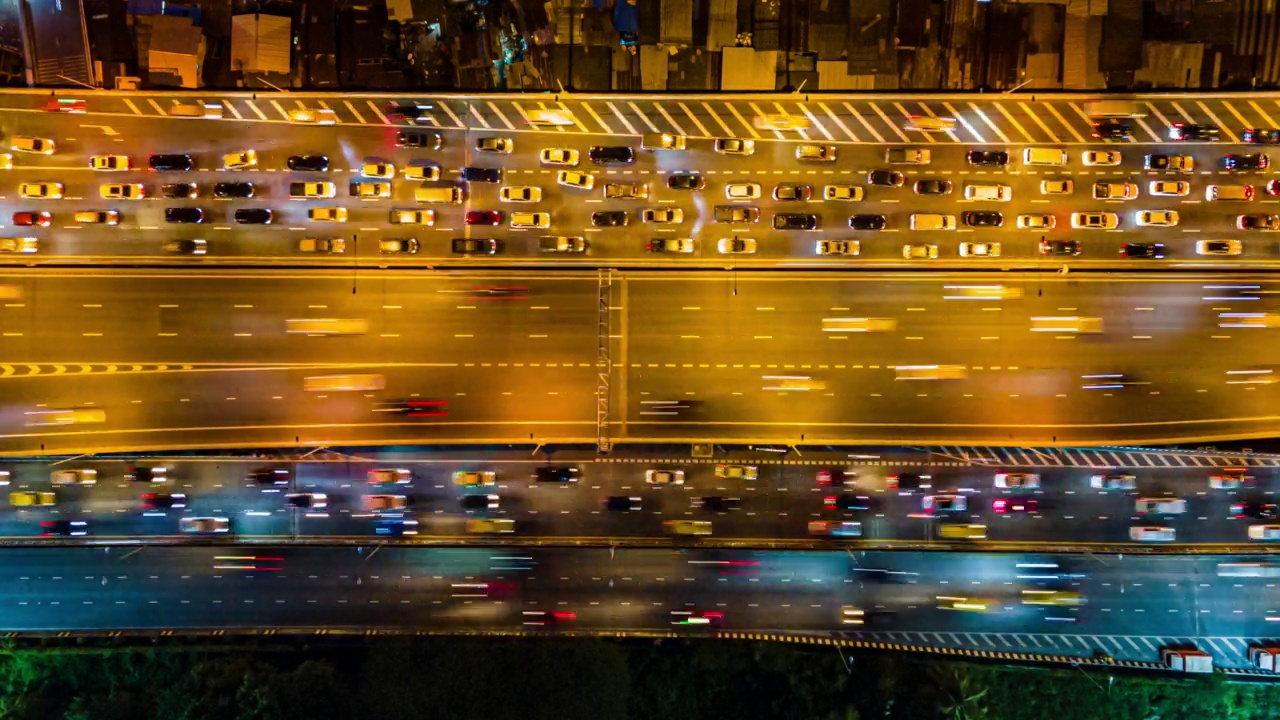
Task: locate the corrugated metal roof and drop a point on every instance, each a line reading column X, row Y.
column 260, row 43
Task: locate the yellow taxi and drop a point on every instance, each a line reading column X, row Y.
column 240, row 160
column 962, row 531
column 371, row 189
column 19, row 245
column 32, row 498
column 378, row 170
column 343, row 383
column 34, row 145
column 966, row 604
column 98, row 217
column 1058, row 598
column 6, row 161
column 427, row 173
column 479, row 526
column 313, row 116
column 41, row 190
column 413, row 217
column 110, row 162
column 688, row 527
column 122, row 191
column 332, row 214
column 473, row 478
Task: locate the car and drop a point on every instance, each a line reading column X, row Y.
column 908, row 156
column 308, row 190
column 933, row 187
column 395, row 526
column 253, row 216
column 717, row 503
column 611, row 155
column 736, row 214
column 1105, row 190
column 980, row 249
column 867, row 222
column 562, row 244
column 908, row 481
column 1248, row 161
column 33, row 145
column 306, row 500
column 1160, row 506
column 1261, row 136
column 664, row 477
column 412, row 139
column 1095, row 220
column 370, row 190
column 670, row 246
column 313, row 116
column 422, row 171
column 987, row 158
column 64, row 528
column 378, row 170
column 1254, row 509
column 1037, row 222
column 836, row 477
column 1112, row 130
column 1169, row 189
column 1113, row 481
column 742, row 191
column 734, row 146
column 1219, row 247
column 240, row 160
column 816, row 153
column 85, row 477
column 1005, row 506
column 736, row 246
column 982, row 218
column 1152, row 533
column 1057, row 187
column 609, row 218
column 795, row 221
column 180, row 191
column 622, row 503
column 272, row 476
column 32, row 218
column 385, row 502
column 1155, row 218
column 1060, row 247
column 477, row 526
column 1100, row 158
column 110, row 163
column 413, row 217
column 40, row 190
column 684, row 181
column 935, row 504
column 414, row 112
column 1235, row 192
column 520, row 193
column 920, row 252
column 224, row 190
column 475, row 478
column 481, row 174
column 663, row 141
column 559, row 156
column 183, row 215
column 1142, row 250
column 322, row 245
column 479, row 502
column 557, row 473
column 789, row 192
column 308, row 163
column 846, row 502
column 186, row 247
column 398, row 246
column 696, row 617
column 844, row 248
column 327, row 214
column 1269, row 223
column 1192, row 132
column 206, row 525
column 502, row 145
column 733, row 471
column 1016, row 480
column 574, row 179
column 65, row 105
column 122, row 191
column 840, row 193
column 97, row 217
column 164, row 501
column 483, row 217
column 32, row 498
column 474, row 246
column 1177, row 163
column 1230, row 479
column 388, row 476
column 836, row 528
column 886, row 178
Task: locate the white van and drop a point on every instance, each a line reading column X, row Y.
column 932, row 221
column 451, row 194
column 1054, row 157
column 984, row 191
column 536, row 220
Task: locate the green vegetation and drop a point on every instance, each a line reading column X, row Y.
column 488, row 678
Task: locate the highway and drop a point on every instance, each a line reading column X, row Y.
column 777, row 507
column 175, row 588
column 111, row 126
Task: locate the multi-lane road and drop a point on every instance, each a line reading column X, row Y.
column 138, row 126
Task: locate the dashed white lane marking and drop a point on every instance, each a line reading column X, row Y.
column 864, row 122
column 1225, row 129
column 621, row 119
column 642, row 116
column 892, row 125
column 1041, row 123
column 733, row 111
column 132, row 107
column 667, row 116
column 839, row 123
column 1016, row 124
column 472, row 109
column 1263, row 113
column 597, row 117
column 352, row 108
column 497, row 111
column 457, row 121
column 256, row 111
column 714, row 116
column 1053, row 111
column 227, row 104
column 693, row 118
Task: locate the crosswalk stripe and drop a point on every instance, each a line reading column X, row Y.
column 631, row 130
column 888, row 122
column 1016, row 124
column 645, row 118
column 1263, row 113
column 929, row 111
column 1185, row 117
column 745, row 124
column 132, row 107
column 1143, row 124
column 1156, row 111
column 227, row 104
column 960, row 119
column 1225, row 129
column 813, row 119
column 503, row 118
column 906, row 116
column 598, row 119
column 1052, row 110
column 283, row 115
column 667, row 116
column 573, row 115
column 802, row 132
column 472, row 109
column 352, row 108
column 156, row 105
column 723, row 126
column 543, row 105
column 839, row 123
column 694, row 118
column 252, row 106
column 758, row 112
column 523, row 115
column 864, row 122
column 381, row 118
column 457, row 121
column 1041, row 123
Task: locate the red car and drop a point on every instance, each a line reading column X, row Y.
column 64, row 105
column 1015, row 505
column 548, row 617
column 484, row 217
column 1273, row 187
column 27, row 219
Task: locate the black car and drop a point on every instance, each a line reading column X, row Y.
column 141, row 473
column 795, row 221
column 64, row 528
column 1112, row 130
column 867, row 222
column 1059, row 247
column 987, row 158
column 1249, row 161
column 1143, row 250
column 233, row 190
column 622, row 503
column 269, row 476
column 253, row 216
column 1192, row 132
column 846, row 502
column 908, row 481
column 479, row 174
column 557, row 473
column 479, row 502
column 308, row 163
column 1261, row 136
column 180, row 191
column 306, row 500
column 164, row 500
column 172, row 162
column 183, row 215
column 886, row 178
column 799, row 192
column 609, row 218
column 407, row 111
column 611, row 154
column 395, row 526
column 982, row 218
column 684, row 181
column 475, row 246
column 187, row 247
column 933, row 187
column 429, row 141
column 1156, row 162
column 717, row 503
column 1254, row 509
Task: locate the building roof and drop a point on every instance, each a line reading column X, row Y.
column 260, row 43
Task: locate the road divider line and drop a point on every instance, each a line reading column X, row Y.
column 283, row 115
column 1143, row 124
column 1186, row 118
column 159, row 110
column 839, row 123
column 864, row 122
column 815, row 121
column 614, row 109
column 457, row 121
column 472, row 109
column 1263, row 113
column 750, row 128
column 892, row 126
column 574, row 116
column 227, row 104
column 711, row 111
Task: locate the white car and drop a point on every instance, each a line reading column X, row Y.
column 847, row 248
column 662, row 216
column 240, row 160
column 413, row 217
column 41, row 190
column 574, row 179
column 1169, row 188
column 1155, row 218
column 736, row 246
column 34, row 145
column 1057, row 187
column 979, row 249
column 313, row 116
column 110, row 162
column 1113, row 481
column 559, row 156
column 422, row 171
column 378, row 170
column 1037, row 222
column 742, row 191
column 920, row 252
column 664, row 477
column 1095, row 221
column 1100, row 158
column 734, row 146
column 846, row 193
column 496, row 145
column 520, row 193
column 1104, row 190
column 1219, row 247
column 983, row 191
column 1017, row 480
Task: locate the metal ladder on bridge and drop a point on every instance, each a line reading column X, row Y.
column 604, row 366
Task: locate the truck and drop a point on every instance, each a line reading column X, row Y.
column 1263, row 657
column 1188, row 660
